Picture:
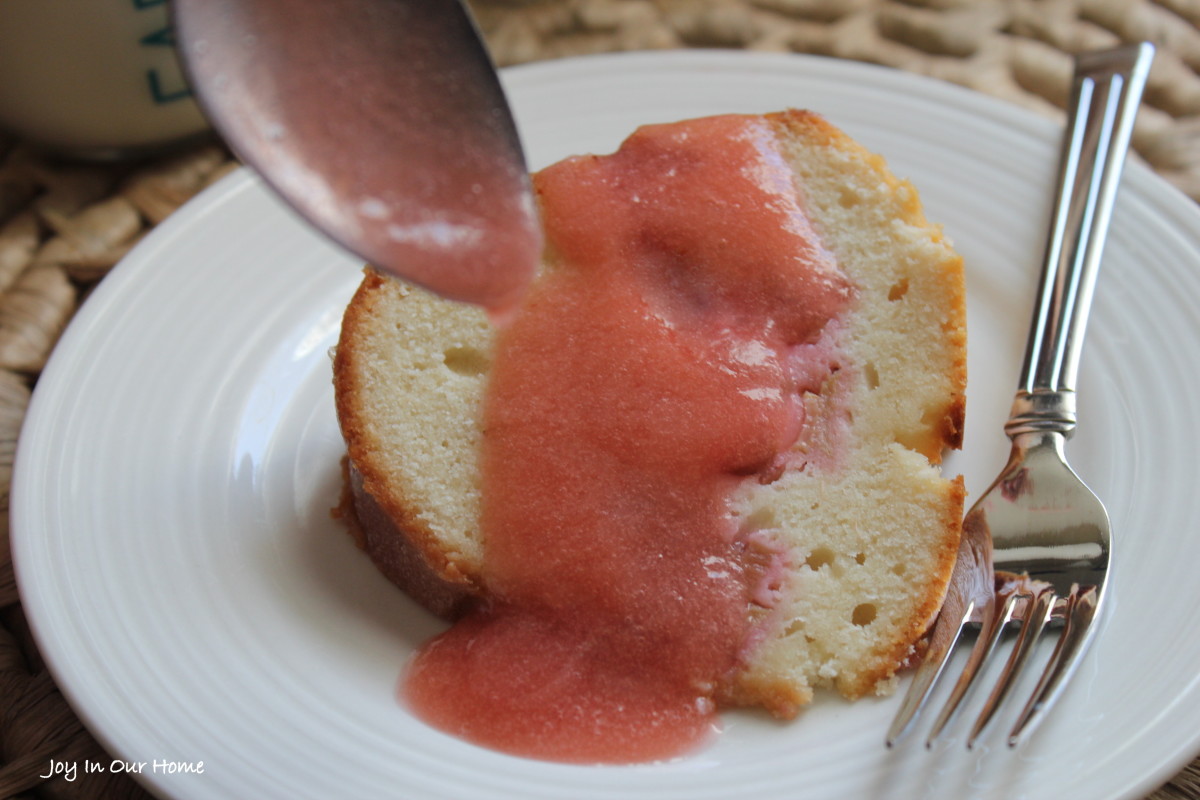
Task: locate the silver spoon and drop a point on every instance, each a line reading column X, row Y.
column 383, row 123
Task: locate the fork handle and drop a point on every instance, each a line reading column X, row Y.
column 1105, row 94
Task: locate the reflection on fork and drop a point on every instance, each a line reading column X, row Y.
column 1036, row 546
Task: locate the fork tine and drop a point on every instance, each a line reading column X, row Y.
column 941, row 645
column 995, row 620
column 1036, row 617
column 969, row 594
column 1081, row 611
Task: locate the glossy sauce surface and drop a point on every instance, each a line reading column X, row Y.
column 660, row 362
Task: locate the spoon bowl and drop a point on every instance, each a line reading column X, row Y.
column 383, row 123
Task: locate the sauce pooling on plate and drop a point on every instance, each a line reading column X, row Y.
column 658, row 363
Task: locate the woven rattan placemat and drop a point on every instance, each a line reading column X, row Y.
column 63, row 226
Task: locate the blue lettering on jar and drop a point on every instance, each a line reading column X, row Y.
column 163, row 89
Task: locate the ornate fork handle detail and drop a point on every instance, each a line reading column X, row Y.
column 1042, row 411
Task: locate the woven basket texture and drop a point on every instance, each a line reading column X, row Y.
column 64, row 225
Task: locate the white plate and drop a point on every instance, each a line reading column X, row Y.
column 196, row 602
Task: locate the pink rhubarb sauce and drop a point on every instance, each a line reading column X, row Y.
column 660, row 362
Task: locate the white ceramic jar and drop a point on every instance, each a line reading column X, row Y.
column 93, row 77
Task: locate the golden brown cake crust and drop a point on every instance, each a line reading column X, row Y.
column 393, row 549
column 383, row 520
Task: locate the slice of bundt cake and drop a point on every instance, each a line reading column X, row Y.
column 835, row 527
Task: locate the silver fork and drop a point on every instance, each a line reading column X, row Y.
column 1036, row 546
